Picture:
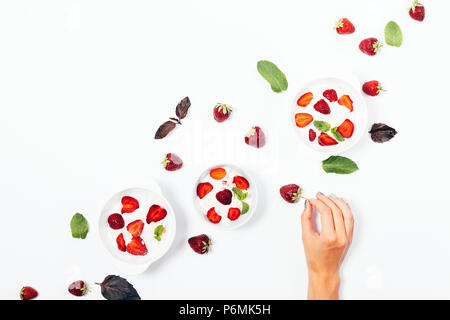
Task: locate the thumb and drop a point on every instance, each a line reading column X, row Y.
column 307, row 225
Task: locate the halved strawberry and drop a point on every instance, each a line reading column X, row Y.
column 234, row 213
column 156, row 213
column 218, row 173
column 129, row 204
column 305, row 99
column 326, row 140
column 322, row 107
column 312, row 135
column 137, row 247
column 241, row 182
column 330, row 94
column 346, row 129
column 203, row 189
column 213, row 216
column 303, row 119
column 346, row 101
column 135, row 228
column 121, row 243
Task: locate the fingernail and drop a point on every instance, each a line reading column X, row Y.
column 306, row 203
column 333, row 195
column 320, row 193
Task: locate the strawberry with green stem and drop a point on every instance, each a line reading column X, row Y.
column 291, row 193
column 222, row 112
column 417, row 11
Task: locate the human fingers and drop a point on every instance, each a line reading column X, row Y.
column 347, row 214
column 338, row 217
column 326, row 218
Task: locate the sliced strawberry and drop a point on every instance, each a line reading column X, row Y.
column 305, row 99
column 346, row 102
column 121, row 243
column 255, row 137
column 218, row 173
column 129, row 204
column 331, row 95
column 346, row 129
column 135, row 228
column 137, row 247
column 241, row 182
column 303, row 119
column 213, row 216
column 312, row 135
column 326, row 140
column 322, row 107
column 203, row 189
column 156, row 213
column 234, row 213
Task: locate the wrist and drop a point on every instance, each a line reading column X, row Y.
column 323, row 286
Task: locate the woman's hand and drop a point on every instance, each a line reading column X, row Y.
column 326, row 251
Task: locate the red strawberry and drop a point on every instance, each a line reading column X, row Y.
column 78, row 288
column 312, row 135
column 213, row 216
column 203, row 189
column 372, row 88
column 417, row 11
column 234, row 213
column 346, row 129
column 222, row 112
column 218, row 173
column 322, row 107
column 28, row 293
column 370, row 46
column 255, row 137
column 326, row 140
column 200, row 244
column 331, row 95
column 137, row 247
column 346, row 101
column 156, row 213
column 172, row 162
column 129, row 204
column 305, row 99
column 135, row 228
column 224, row 197
column 116, row 221
column 344, row 26
column 291, row 192
column 303, row 119
column 241, row 182
column 121, row 243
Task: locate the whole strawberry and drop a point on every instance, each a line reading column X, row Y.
column 172, row 162
column 372, row 88
column 222, row 112
column 417, row 11
column 78, row 288
column 370, row 46
column 291, row 192
column 28, row 293
column 200, row 244
column 344, row 26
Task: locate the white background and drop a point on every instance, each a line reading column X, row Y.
column 85, row 84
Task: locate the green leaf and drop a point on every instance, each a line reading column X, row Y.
column 245, row 207
column 337, row 135
column 240, row 195
column 393, row 34
column 273, row 75
column 339, row 165
column 322, row 126
column 159, row 230
column 79, row 226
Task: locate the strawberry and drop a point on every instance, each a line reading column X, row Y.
column 129, row 204
column 370, row 46
column 417, row 11
column 330, row 94
column 312, row 135
column 344, row 26
column 121, row 243
column 213, row 216
column 200, row 244
column 137, row 247
column 156, row 213
column 135, row 228
column 116, row 221
column 28, row 293
column 291, row 192
column 234, row 213
column 222, row 112
column 172, row 162
column 326, row 140
column 255, row 137
column 241, row 182
column 346, row 101
column 224, row 197
column 322, row 107
column 305, row 99
column 218, row 173
column 303, row 119
column 372, row 88
column 203, row 189
column 78, row 288
column 346, row 129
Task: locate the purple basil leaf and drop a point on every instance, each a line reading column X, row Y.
column 164, row 129
column 381, row 133
column 118, row 288
column 182, row 108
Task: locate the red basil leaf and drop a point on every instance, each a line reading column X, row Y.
column 164, row 129
column 118, row 288
column 381, row 133
column 182, row 108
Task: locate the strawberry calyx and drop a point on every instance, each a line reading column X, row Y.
column 224, row 108
column 339, row 24
column 206, row 245
column 165, row 162
column 297, row 195
column 415, row 4
column 377, row 45
column 251, row 132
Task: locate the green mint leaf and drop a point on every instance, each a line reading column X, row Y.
column 393, row 34
column 339, row 165
column 240, row 195
column 245, row 207
column 273, row 75
column 159, row 230
column 322, row 126
column 337, row 135
column 79, row 226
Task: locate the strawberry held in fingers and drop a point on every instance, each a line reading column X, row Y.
column 255, row 137
column 28, row 293
column 417, row 11
column 156, row 213
column 344, row 26
column 172, row 162
column 372, row 88
column 129, row 204
column 222, row 112
column 291, row 193
column 200, row 244
column 370, row 46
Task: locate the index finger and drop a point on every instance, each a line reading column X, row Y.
column 326, row 217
